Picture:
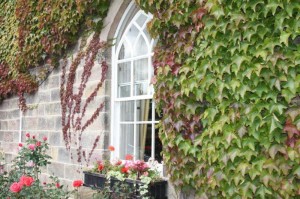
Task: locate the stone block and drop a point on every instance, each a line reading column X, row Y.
column 8, row 137
column 53, row 82
column 55, row 95
column 64, row 155
column 53, row 109
column 55, row 139
column 16, row 136
column 30, row 123
column 58, row 125
column 3, row 125
column 46, row 123
column 56, row 169
column 72, row 172
column 13, row 124
column 41, row 109
column 44, row 97
column 3, row 115
column 108, row 87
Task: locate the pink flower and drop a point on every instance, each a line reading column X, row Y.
column 30, row 164
column 146, row 173
column 26, row 180
column 124, row 169
column 15, row 187
column 27, row 135
column 38, row 143
column 33, row 137
column 31, row 146
column 20, row 144
column 45, row 138
column 57, row 185
column 77, row 183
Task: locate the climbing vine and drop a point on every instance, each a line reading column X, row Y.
column 227, row 79
column 73, row 104
column 36, row 32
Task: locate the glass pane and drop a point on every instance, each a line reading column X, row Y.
column 140, row 48
column 124, row 72
column 141, row 20
column 141, row 89
column 126, row 111
column 147, row 34
column 132, row 34
column 126, row 140
column 140, row 69
column 144, row 110
column 144, row 141
column 125, row 51
column 124, row 91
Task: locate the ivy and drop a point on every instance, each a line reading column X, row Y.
column 37, row 32
column 227, row 82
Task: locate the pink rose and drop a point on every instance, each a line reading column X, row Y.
column 26, row 180
column 28, row 135
column 15, row 187
column 38, row 143
column 45, row 138
column 20, row 144
column 31, row 146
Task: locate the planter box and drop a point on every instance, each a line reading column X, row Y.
column 157, row 190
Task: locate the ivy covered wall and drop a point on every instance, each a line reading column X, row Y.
column 228, row 84
column 33, row 33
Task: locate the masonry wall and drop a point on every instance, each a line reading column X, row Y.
column 44, row 116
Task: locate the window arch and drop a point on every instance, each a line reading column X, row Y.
column 133, row 108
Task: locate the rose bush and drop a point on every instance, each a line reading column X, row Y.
column 23, row 179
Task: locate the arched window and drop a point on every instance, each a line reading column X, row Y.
column 133, row 108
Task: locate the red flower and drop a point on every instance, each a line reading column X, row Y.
column 33, row 137
column 26, row 180
column 38, row 143
column 77, row 183
column 31, row 146
column 15, row 187
column 100, row 167
column 124, row 169
column 57, row 185
column 28, row 135
column 129, row 157
column 20, row 144
column 45, row 138
column 44, row 183
column 111, row 148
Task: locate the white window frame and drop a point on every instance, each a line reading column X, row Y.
column 115, row 100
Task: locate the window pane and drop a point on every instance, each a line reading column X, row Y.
column 141, row 20
column 126, row 140
column 127, row 111
column 140, row 47
column 140, row 70
column 125, row 51
column 141, row 89
column 144, row 140
column 132, row 34
column 124, row 72
column 144, row 110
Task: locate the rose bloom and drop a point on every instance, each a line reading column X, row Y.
column 45, row 138
column 31, row 146
column 15, row 187
column 33, row 137
column 26, row 180
column 100, row 167
column 27, row 135
column 111, row 148
column 57, row 185
column 77, row 183
column 124, row 169
column 20, row 144
column 30, row 164
column 128, row 157
column 38, row 143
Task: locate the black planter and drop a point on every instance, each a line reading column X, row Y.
column 157, row 190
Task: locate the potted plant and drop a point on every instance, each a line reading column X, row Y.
column 126, row 179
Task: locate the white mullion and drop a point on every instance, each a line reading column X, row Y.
column 138, row 97
column 138, row 122
column 134, row 131
column 153, row 131
column 134, row 58
column 131, row 79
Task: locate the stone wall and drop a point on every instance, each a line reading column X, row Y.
column 44, row 116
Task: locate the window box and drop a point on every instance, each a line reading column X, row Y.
column 157, row 190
